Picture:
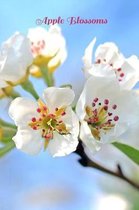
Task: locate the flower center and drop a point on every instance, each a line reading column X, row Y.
column 100, row 117
column 48, row 122
column 36, row 47
column 118, row 71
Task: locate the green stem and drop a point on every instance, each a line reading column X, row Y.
column 8, row 147
column 6, row 124
column 14, row 94
column 47, row 76
column 28, row 86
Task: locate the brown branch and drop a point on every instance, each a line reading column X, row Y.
column 87, row 162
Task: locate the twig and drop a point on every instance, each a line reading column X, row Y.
column 87, row 162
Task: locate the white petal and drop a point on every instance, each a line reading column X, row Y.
column 15, row 57
column 62, row 145
column 71, row 121
column 28, row 141
column 87, row 138
column 58, row 97
column 134, row 62
column 100, row 70
column 131, row 137
column 59, row 58
column 87, row 58
column 37, row 34
column 22, row 110
column 106, row 51
column 131, row 75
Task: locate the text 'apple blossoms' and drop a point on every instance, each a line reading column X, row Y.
column 107, row 111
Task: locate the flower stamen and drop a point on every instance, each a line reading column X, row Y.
column 99, row 116
column 49, row 122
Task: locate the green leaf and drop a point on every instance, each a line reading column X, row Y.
column 6, row 148
column 129, row 151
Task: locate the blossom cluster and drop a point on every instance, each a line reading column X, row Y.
column 108, row 107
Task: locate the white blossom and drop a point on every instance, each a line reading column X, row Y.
column 106, row 112
column 50, row 123
column 48, row 47
column 15, row 57
column 108, row 61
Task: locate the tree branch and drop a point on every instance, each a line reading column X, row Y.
column 87, row 162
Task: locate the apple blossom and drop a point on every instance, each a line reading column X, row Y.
column 48, row 48
column 15, row 57
column 109, row 61
column 106, row 112
column 50, row 124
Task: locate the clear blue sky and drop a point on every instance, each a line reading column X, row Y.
column 22, row 176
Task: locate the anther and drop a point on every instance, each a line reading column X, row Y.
column 114, row 106
column 33, row 119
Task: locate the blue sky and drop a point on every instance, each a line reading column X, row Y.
column 21, row 175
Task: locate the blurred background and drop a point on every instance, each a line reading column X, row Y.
column 45, row 183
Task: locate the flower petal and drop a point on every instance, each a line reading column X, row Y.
column 22, row 110
column 58, row 97
column 106, row 51
column 15, row 57
column 131, row 137
column 87, row 58
column 87, row 138
column 62, row 145
column 71, row 121
column 28, row 141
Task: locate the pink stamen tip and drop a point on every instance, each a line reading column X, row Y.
column 114, row 106
column 122, row 75
column 98, row 61
column 95, row 112
column 43, row 42
column 44, row 108
column 63, row 113
column 48, row 136
column 93, row 104
column 106, row 101
column 95, row 100
column 38, row 110
column 34, row 128
column 110, row 114
column 51, row 115
column 105, row 108
column 116, row 118
column 119, row 69
column 33, row 119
